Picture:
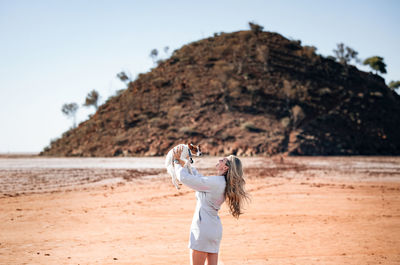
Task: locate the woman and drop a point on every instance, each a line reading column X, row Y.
column 211, row 192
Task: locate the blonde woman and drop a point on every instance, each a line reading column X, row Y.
column 211, row 192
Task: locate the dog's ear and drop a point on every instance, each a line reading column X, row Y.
column 189, row 144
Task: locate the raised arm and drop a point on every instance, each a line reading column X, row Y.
column 195, row 172
column 199, row 183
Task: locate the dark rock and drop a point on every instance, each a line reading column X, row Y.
column 246, row 94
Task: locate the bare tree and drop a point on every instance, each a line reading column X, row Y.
column 92, row 99
column 345, row 54
column 70, row 111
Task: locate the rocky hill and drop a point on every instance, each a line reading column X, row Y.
column 245, row 93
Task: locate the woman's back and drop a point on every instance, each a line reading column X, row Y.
column 206, row 227
column 211, row 192
column 212, row 199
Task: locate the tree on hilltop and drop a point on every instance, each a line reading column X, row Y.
column 166, row 49
column 70, row 111
column 124, row 77
column 153, row 55
column 376, row 63
column 255, row 28
column 92, row 99
column 345, row 54
column 394, row 85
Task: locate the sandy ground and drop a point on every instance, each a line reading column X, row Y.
column 304, row 210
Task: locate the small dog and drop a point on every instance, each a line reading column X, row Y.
column 187, row 151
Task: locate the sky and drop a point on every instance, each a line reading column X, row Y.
column 54, row 52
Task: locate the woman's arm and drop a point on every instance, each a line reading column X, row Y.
column 195, row 172
column 177, row 156
column 199, row 183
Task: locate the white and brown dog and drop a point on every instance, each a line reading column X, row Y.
column 187, row 151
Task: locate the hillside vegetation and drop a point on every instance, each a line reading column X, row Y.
column 246, row 93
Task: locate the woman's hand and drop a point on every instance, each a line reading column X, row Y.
column 178, row 152
column 177, row 155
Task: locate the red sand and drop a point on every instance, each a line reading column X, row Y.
column 305, row 210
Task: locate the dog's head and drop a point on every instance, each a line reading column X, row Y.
column 195, row 149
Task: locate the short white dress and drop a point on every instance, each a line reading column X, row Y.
column 206, row 228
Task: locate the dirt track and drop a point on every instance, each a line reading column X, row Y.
column 304, row 210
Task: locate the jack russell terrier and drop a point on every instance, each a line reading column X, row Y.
column 186, row 156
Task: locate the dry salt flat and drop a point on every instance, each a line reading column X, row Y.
column 304, row 210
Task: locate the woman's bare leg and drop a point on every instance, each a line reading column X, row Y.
column 212, row 258
column 197, row 257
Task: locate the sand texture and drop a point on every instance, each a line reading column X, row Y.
column 304, row 210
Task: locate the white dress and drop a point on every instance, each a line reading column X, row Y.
column 206, row 228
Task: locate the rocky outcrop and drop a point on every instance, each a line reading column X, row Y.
column 246, row 94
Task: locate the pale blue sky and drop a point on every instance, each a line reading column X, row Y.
column 54, row 52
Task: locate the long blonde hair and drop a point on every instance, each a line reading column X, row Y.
column 235, row 193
